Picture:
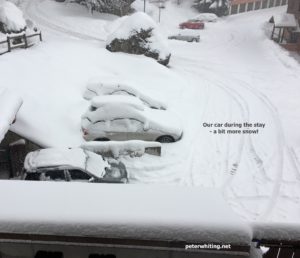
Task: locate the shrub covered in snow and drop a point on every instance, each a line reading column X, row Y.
column 219, row 7
column 139, row 34
column 117, row 7
column 11, row 18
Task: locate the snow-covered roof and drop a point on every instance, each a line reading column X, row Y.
column 206, row 17
column 134, row 23
column 10, row 104
column 101, row 101
column 112, row 86
column 285, row 20
column 74, row 157
column 12, row 17
column 149, row 212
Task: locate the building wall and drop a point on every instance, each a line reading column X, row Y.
column 294, row 8
column 241, row 6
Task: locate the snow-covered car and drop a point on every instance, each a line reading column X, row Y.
column 206, row 17
column 192, row 24
column 188, row 38
column 98, row 86
column 72, row 165
column 123, row 118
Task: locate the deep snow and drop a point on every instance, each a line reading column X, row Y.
column 235, row 74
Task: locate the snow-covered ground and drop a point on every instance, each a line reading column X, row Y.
column 235, row 74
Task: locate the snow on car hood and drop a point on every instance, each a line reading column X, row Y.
column 160, row 120
column 73, row 157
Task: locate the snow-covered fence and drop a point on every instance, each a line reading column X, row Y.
column 117, row 148
column 19, row 41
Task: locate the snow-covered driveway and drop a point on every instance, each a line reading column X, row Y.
column 235, row 75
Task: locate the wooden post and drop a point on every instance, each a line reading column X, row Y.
column 272, row 36
column 8, row 44
column 25, row 41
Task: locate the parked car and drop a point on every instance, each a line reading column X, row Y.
column 192, row 24
column 72, row 165
column 124, row 117
column 206, row 17
column 188, row 38
column 100, row 86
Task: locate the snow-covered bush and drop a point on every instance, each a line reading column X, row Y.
column 11, row 18
column 117, row 7
column 219, row 7
column 139, row 34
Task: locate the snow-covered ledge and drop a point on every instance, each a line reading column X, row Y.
column 115, row 149
column 10, row 104
column 171, row 214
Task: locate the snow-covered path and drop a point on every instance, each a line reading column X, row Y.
column 235, row 75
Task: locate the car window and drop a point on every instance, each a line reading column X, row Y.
column 56, row 175
column 79, row 175
column 119, row 125
column 135, row 125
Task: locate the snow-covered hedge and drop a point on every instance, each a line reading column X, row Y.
column 11, row 18
column 139, row 34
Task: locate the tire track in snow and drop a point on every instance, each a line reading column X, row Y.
column 33, row 10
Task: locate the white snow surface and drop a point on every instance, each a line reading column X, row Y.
column 120, row 211
column 12, row 16
column 118, row 86
column 10, row 104
column 285, row 20
column 140, row 21
column 206, row 17
column 118, row 148
column 74, row 157
column 235, row 74
column 116, row 100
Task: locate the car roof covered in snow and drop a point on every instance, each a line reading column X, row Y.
column 161, row 120
column 109, row 86
column 206, row 16
column 66, row 157
column 149, row 212
column 120, row 100
column 10, row 104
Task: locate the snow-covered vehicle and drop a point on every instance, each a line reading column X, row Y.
column 188, row 38
column 192, row 24
column 206, row 17
column 72, row 164
column 123, row 118
column 98, row 86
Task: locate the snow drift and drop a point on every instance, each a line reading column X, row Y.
column 139, row 34
column 11, row 18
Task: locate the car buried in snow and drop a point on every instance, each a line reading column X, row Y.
column 206, row 17
column 123, row 118
column 188, row 38
column 192, row 24
column 72, row 165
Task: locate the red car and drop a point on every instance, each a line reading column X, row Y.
column 192, row 24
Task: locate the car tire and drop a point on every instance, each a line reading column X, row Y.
column 102, row 140
column 165, row 139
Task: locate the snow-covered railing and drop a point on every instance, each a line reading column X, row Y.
column 23, row 41
column 115, row 149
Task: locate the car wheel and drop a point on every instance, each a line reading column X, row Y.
column 102, row 139
column 165, row 139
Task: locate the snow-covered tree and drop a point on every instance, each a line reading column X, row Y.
column 118, row 7
column 219, row 7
